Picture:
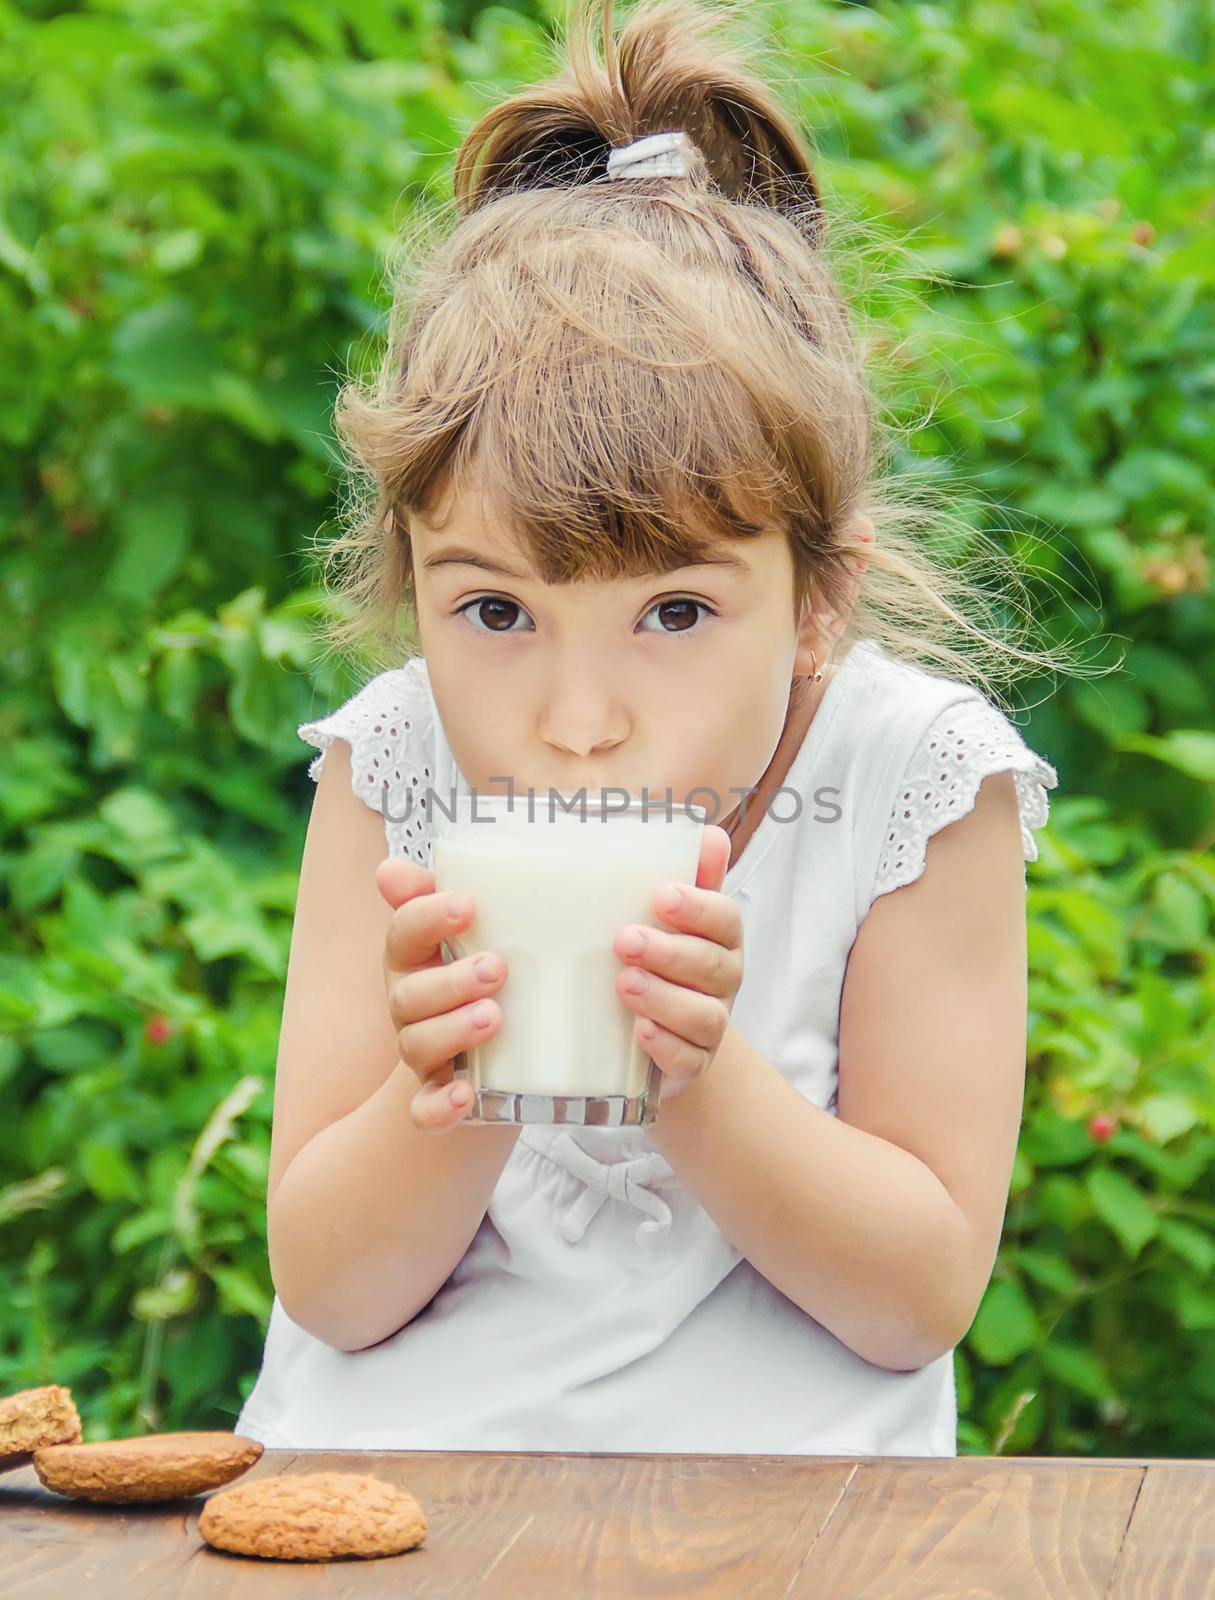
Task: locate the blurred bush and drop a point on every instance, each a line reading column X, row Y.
column 196, row 207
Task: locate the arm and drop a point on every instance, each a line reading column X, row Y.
column 367, row 1213
column 883, row 1223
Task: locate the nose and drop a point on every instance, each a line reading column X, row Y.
column 583, row 718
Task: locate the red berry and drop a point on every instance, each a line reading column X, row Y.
column 1102, row 1127
column 156, row 1029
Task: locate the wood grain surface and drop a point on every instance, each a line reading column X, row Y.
column 628, row 1527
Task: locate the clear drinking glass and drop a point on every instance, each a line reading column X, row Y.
column 553, row 878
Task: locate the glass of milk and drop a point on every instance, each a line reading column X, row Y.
column 553, row 878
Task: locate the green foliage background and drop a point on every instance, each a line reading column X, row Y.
column 195, row 204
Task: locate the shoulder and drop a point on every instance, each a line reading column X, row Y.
column 917, row 746
column 389, row 711
column 389, row 726
column 890, row 694
column 955, row 747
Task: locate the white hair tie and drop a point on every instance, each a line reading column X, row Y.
column 655, row 155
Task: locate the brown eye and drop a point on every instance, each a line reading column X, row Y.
column 678, row 616
column 494, row 612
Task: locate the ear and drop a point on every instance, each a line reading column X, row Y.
column 822, row 625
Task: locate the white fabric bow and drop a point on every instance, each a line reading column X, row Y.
column 617, row 1180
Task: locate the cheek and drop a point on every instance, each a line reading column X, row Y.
column 484, row 737
column 745, row 742
column 720, row 748
column 493, row 769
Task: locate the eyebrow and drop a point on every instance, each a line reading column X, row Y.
column 460, row 556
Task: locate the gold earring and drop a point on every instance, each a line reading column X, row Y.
column 817, row 676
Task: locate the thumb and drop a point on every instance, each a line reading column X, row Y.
column 399, row 879
column 714, row 857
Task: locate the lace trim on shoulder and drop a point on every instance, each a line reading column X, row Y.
column 389, row 728
column 963, row 745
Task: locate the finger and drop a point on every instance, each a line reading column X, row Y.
column 420, row 924
column 678, row 1059
column 438, row 1106
column 701, row 1019
column 399, row 879
column 714, row 862
column 427, row 991
column 432, row 1042
column 705, row 912
column 685, row 958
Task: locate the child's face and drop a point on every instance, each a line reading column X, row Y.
column 678, row 679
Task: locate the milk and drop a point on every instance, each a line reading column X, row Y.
column 550, row 892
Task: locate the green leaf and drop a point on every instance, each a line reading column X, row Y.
column 1193, row 1244
column 10, row 1057
column 154, row 535
column 139, row 1229
column 1048, row 1268
column 1189, row 750
column 1073, row 505
column 70, row 41
column 238, row 931
column 162, row 355
column 40, row 874
column 251, row 1161
column 263, row 702
column 1170, row 679
column 1166, row 473
column 142, row 821
column 1113, row 706
column 73, row 1048
column 1080, row 1369
column 1179, row 913
column 107, row 1171
column 99, row 689
column 1054, row 1141
column 1195, row 1305
column 1167, row 1115
column 239, row 1292
column 1022, row 1174
column 1006, row 1325
column 178, row 681
column 1122, row 1207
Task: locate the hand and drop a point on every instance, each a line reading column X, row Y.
column 437, row 1008
column 690, row 977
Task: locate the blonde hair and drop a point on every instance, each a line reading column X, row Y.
column 640, row 369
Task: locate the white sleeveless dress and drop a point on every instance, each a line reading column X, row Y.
column 599, row 1307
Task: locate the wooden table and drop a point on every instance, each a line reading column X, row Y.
column 628, row 1527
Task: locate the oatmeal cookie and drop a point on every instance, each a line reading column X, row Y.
column 155, row 1466
column 34, row 1417
column 313, row 1516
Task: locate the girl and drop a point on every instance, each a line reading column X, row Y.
column 623, row 459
